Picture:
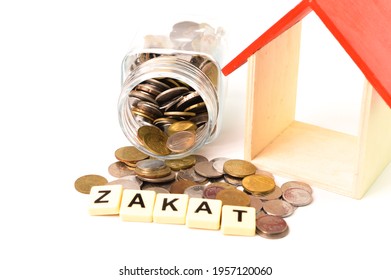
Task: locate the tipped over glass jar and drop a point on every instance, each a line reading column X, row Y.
column 172, row 89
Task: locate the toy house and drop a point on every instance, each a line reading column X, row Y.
column 325, row 158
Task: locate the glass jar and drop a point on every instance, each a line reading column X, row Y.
column 172, row 81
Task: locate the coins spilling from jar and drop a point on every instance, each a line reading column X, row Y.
column 169, row 114
column 196, row 176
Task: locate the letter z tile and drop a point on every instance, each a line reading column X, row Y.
column 105, row 200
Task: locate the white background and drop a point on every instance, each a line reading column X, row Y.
column 59, row 85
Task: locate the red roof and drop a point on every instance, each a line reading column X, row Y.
column 362, row 27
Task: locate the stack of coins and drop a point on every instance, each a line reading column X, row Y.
column 233, row 181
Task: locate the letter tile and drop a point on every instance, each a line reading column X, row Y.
column 105, row 200
column 204, row 213
column 238, row 220
column 170, row 208
column 137, row 206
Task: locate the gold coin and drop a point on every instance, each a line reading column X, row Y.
column 181, row 126
column 258, row 184
column 233, row 197
column 179, row 114
column 181, row 163
column 84, row 183
column 153, row 174
column 156, row 143
column 239, row 168
column 129, row 154
column 146, row 129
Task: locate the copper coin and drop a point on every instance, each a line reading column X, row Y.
column 297, row 197
column 181, row 141
column 181, row 186
column 278, row 207
column 211, row 191
column 84, row 183
column 233, row 197
column 296, row 184
column 119, row 169
column 206, row 169
column 195, row 191
column 239, row 168
column 271, row 224
column 273, row 236
column 256, row 203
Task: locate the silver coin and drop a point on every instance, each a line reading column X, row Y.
column 296, row 184
column 190, row 175
column 218, row 163
column 149, row 88
column 233, row 180
column 297, row 197
column 147, row 185
column 158, row 83
column 149, row 108
column 127, row 182
column 278, row 207
column 150, row 164
column 181, row 141
column 188, row 100
column 200, row 158
column 206, row 169
column 141, row 95
column 195, row 191
column 165, row 179
column 119, row 169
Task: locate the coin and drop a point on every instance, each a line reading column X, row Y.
column 258, row 184
column 233, row 197
column 188, row 100
column 218, row 164
column 206, row 169
column 200, row 158
column 195, row 191
column 271, row 224
column 278, row 207
column 275, row 194
column 273, row 236
column 181, row 126
column 129, row 154
column 233, row 180
column 297, row 197
column 170, row 94
column 170, row 177
column 182, row 163
column 181, row 141
column 141, row 95
column 147, row 129
column 239, row 168
column 127, row 182
column 296, row 184
column 147, row 185
column 179, row 114
column 191, row 175
column 84, row 183
column 156, row 143
column 211, row 191
column 150, row 165
column 119, row 169
column 180, row 186
column 222, row 184
column 256, row 203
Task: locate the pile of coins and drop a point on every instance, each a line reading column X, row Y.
column 169, row 114
column 233, row 181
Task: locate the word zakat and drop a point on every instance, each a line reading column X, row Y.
column 147, row 206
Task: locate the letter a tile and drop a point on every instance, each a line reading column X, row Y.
column 170, row 208
column 137, row 206
column 105, row 200
column 238, row 220
column 203, row 213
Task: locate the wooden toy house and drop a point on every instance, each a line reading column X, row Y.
column 325, row 158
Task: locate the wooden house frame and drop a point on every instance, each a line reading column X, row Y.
column 275, row 141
